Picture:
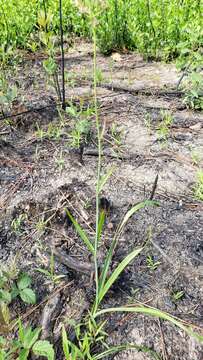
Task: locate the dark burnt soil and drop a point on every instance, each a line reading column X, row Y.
column 131, row 96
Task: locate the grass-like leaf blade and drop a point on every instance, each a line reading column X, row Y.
column 116, row 349
column 81, row 232
column 132, row 211
column 65, row 344
column 108, row 258
column 114, row 276
column 155, row 313
column 101, row 224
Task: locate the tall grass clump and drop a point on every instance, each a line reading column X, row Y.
column 155, row 28
column 113, row 32
column 19, row 26
column 90, row 335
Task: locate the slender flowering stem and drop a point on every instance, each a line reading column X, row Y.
column 99, row 159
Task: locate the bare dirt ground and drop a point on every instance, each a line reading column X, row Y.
column 131, row 95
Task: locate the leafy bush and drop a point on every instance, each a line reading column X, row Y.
column 154, row 28
column 194, row 91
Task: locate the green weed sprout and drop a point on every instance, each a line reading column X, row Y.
column 198, row 190
column 50, row 274
column 27, row 343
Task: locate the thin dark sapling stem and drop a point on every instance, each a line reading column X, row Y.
column 154, row 187
column 62, row 57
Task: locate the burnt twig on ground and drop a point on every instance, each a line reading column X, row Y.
column 154, row 187
column 70, row 262
column 141, row 91
column 47, row 315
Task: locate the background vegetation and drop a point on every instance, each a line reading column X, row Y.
column 155, row 28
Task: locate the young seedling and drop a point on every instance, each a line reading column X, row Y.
column 54, row 131
column 151, row 263
column 164, row 127
column 41, row 225
column 116, row 134
column 115, row 139
column 17, row 224
column 132, row 296
column 40, row 133
column 47, row 39
column 80, row 134
column 50, row 274
column 198, row 189
column 177, row 295
column 70, row 78
column 130, row 78
column 99, row 75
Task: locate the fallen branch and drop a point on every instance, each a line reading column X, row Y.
column 8, row 116
column 141, row 91
column 70, row 262
column 107, row 153
column 48, row 312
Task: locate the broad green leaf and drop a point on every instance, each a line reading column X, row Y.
column 14, row 291
column 5, row 296
column 155, row 313
column 44, row 348
column 81, row 232
column 2, row 341
column 114, row 276
column 185, row 51
column 28, row 296
column 106, row 266
column 3, row 280
column 24, row 281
